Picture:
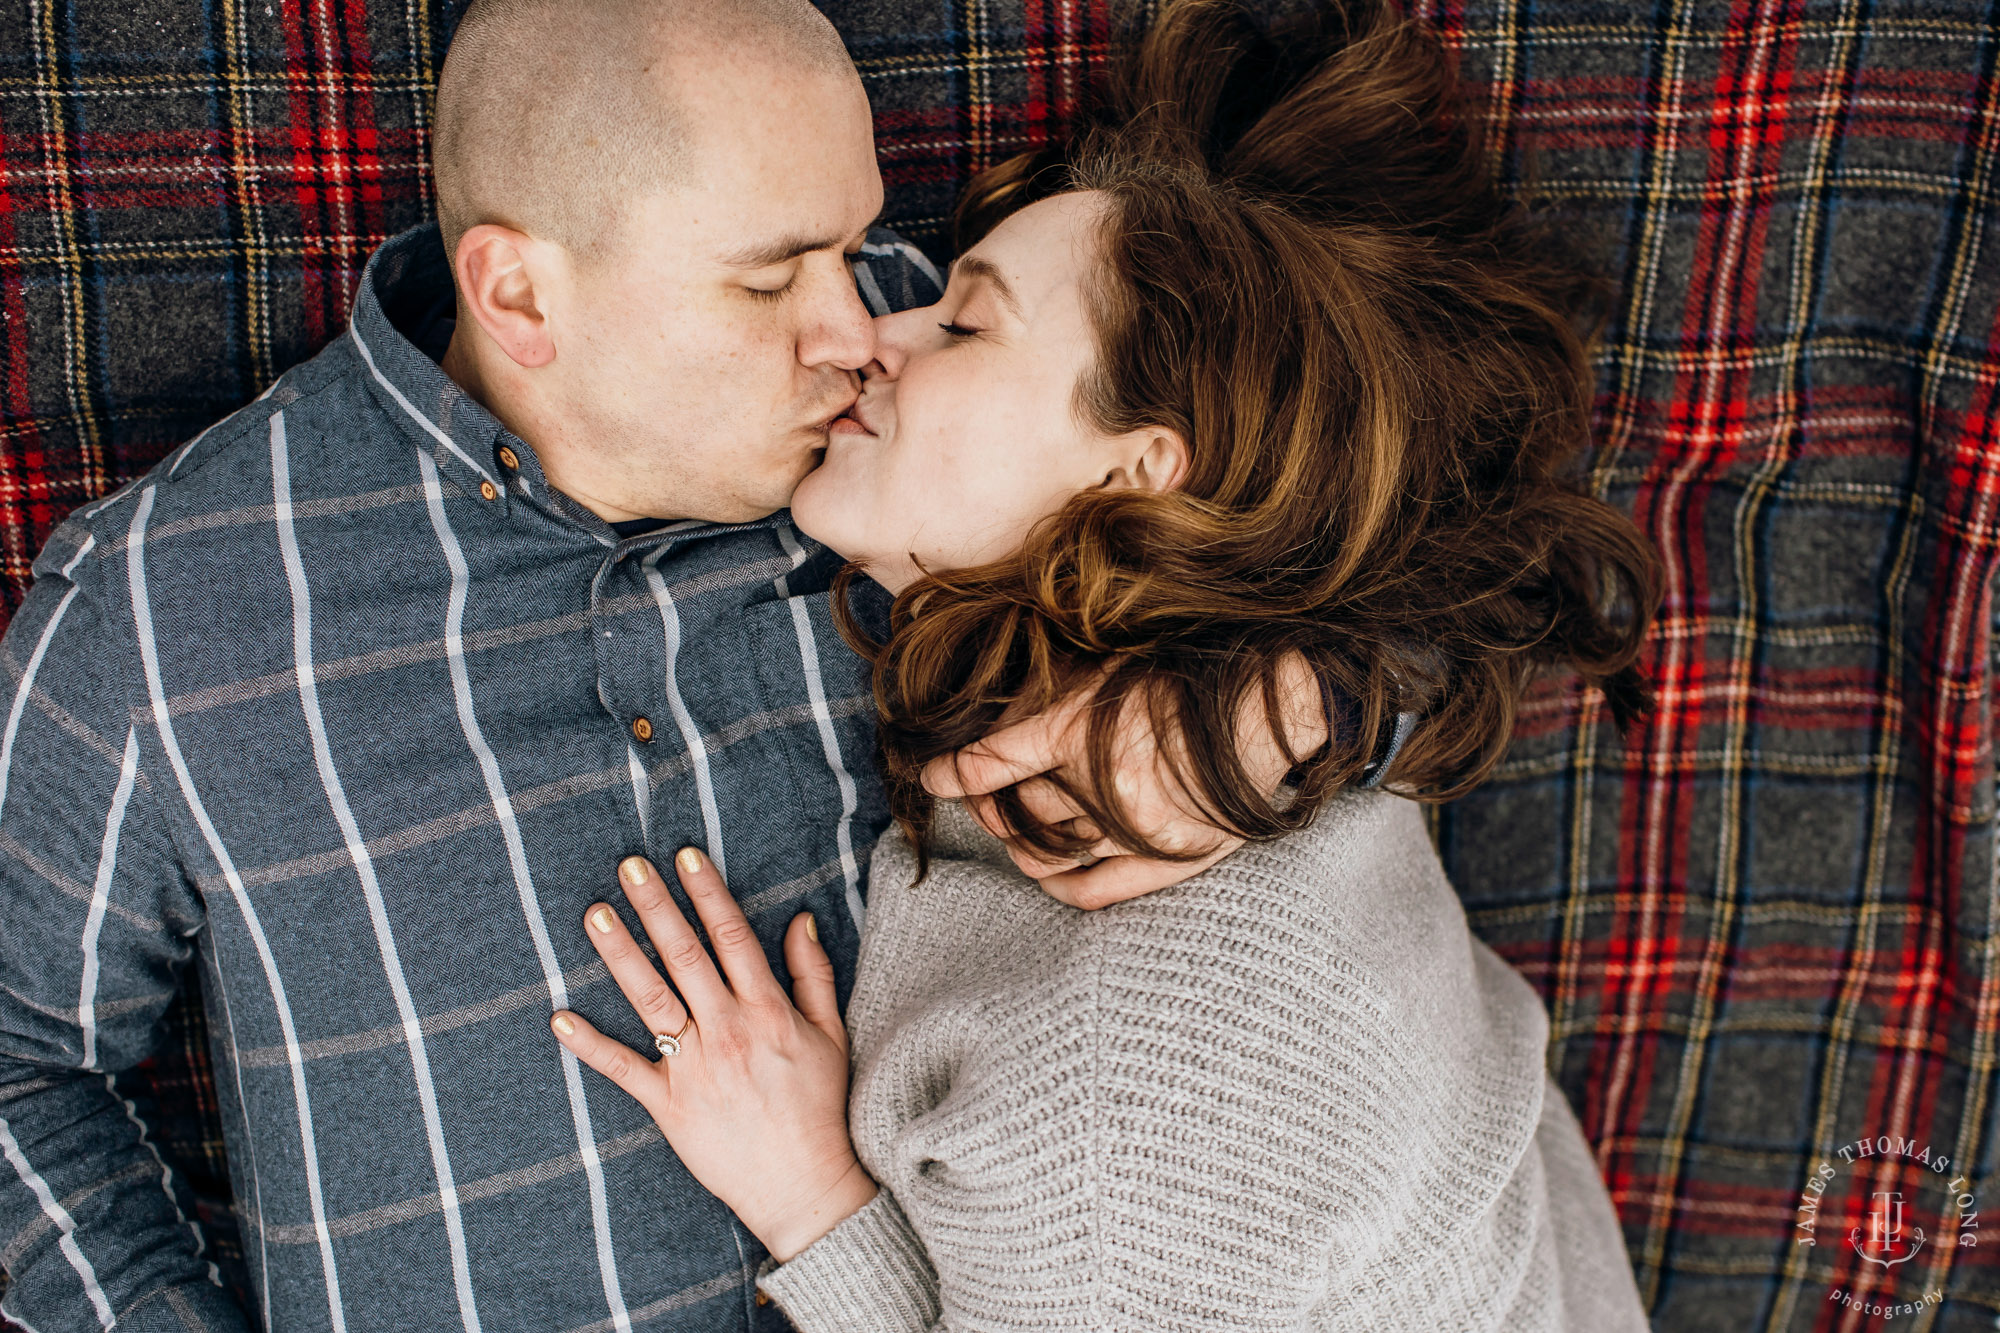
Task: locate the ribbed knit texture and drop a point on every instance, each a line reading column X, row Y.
column 1291, row 1093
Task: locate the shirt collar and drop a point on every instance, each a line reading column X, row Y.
column 406, row 279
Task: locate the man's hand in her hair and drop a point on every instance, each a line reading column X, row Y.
column 1022, row 754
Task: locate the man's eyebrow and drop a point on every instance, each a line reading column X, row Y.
column 972, row 266
column 782, row 249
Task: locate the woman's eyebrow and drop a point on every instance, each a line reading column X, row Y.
column 973, row 267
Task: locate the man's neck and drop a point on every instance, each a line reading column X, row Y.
column 471, row 367
column 464, row 365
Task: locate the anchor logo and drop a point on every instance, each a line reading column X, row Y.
column 1885, row 1233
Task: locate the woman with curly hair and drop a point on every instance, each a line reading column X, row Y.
column 1257, row 380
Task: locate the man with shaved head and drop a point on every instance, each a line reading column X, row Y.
column 354, row 703
column 652, row 206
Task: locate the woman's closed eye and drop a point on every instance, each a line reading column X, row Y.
column 958, row 330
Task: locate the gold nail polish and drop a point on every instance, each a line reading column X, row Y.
column 689, row 861
column 812, row 929
column 633, row 870
column 563, row 1025
column 600, row 920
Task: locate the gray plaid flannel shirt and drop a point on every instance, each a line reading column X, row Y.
column 339, row 707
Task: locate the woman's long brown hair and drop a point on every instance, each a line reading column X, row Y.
column 1379, row 365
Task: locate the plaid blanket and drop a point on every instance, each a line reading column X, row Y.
column 1765, row 931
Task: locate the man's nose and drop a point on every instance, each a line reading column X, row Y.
column 841, row 332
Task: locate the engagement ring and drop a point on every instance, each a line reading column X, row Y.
column 669, row 1043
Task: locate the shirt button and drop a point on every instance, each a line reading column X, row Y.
column 642, row 728
column 488, row 491
column 762, row 1299
column 508, row 458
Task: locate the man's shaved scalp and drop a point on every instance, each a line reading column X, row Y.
column 552, row 114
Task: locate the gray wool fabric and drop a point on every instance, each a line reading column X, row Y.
column 1293, row 1092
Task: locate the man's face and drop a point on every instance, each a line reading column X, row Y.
column 709, row 348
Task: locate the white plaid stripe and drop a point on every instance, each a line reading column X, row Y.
column 642, row 790
column 253, row 1207
column 166, row 1177
column 517, row 862
column 697, row 748
column 27, row 684
column 364, row 868
column 59, row 1215
column 100, row 897
column 850, row 866
column 149, row 655
column 428, row 426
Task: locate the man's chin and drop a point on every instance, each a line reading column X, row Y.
column 783, row 497
column 774, row 489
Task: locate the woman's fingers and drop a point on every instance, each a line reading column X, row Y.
column 638, row 1076
column 812, row 979
column 679, row 948
column 649, row 995
column 736, row 944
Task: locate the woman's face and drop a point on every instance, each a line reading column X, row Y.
column 965, row 433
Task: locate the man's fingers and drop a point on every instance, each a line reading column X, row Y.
column 1119, row 877
column 984, row 766
column 1043, row 800
column 1047, row 802
column 693, row 974
column 1035, row 866
column 649, row 995
column 985, row 811
column 812, row 979
column 736, row 944
column 1012, row 754
column 638, row 1076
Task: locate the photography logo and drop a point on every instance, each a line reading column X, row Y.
column 1891, row 1231
column 1886, row 1244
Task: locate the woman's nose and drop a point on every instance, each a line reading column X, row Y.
column 891, row 355
column 899, row 335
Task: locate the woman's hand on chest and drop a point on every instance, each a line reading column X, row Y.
column 750, row 1088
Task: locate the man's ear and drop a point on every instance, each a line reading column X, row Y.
column 498, row 269
column 1153, row 458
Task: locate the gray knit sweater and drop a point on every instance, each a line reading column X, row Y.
column 1290, row 1093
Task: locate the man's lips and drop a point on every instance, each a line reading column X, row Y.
column 825, row 420
column 851, row 422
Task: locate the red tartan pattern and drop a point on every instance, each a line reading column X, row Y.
column 1764, row 930
column 1738, row 989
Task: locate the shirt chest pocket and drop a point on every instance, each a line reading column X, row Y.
column 819, row 709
